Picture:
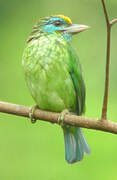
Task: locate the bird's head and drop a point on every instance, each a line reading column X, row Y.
column 59, row 24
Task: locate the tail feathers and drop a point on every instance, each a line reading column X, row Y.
column 75, row 144
column 81, row 139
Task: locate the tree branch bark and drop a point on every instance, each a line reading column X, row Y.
column 109, row 25
column 80, row 121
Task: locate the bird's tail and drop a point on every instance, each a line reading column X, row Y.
column 75, row 144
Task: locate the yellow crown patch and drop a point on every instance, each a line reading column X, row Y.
column 67, row 19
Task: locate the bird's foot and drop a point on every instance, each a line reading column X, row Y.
column 61, row 117
column 31, row 113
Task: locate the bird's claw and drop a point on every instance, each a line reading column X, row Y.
column 61, row 117
column 31, row 113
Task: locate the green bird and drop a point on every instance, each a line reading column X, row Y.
column 54, row 76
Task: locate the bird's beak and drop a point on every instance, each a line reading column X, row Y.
column 75, row 28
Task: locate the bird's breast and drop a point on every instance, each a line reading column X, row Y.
column 46, row 70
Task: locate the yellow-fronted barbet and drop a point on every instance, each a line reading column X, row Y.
column 54, row 76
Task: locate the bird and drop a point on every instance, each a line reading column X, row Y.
column 54, row 77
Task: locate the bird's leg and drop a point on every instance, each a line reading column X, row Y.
column 61, row 117
column 31, row 113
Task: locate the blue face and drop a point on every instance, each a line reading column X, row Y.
column 56, row 24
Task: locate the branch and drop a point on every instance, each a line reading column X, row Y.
column 105, row 12
column 89, row 123
column 109, row 25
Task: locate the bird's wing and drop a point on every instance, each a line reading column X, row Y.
column 77, row 79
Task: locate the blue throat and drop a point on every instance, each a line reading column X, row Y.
column 67, row 36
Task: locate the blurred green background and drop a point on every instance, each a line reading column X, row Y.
column 36, row 151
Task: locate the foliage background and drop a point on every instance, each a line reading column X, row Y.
column 37, row 151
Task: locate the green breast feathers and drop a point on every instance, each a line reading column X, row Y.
column 53, row 74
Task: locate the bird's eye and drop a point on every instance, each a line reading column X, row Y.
column 57, row 23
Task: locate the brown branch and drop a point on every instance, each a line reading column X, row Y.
column 109, row 25
column 90, row 123
column 105, row 13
